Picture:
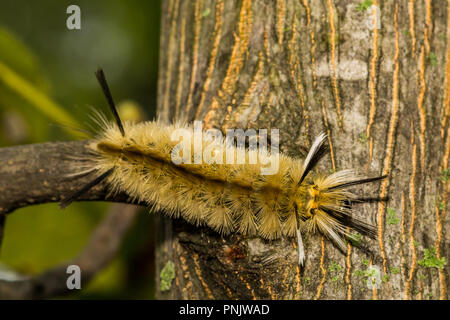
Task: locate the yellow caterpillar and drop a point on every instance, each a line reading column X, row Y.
column 136, row 158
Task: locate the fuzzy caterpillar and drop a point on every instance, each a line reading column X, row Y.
column 135, row 158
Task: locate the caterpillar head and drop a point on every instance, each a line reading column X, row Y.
column 329, row 207
column 327, row 202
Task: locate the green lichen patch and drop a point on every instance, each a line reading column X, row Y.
column 167, row 275
column 206, row 12
column 334, row 267
column 392, row 219
column 431, row 260
column 368, row 275
column 432, row 59
column 355, row 239
column 439, row 203
column 395, row 270
column 364, row 5
column 334, row 270
column 445, row 175
column 362, row 138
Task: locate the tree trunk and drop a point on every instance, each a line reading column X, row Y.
column 376, row 80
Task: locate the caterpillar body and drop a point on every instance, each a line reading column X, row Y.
column 136, row 158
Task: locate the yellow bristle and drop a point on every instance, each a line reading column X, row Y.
column 225, row 197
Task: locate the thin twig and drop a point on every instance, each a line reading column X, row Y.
column 103, row 245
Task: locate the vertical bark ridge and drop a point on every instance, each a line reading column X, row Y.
column 289, row 65
column 337, row 99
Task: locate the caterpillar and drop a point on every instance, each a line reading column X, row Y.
column 136, row 158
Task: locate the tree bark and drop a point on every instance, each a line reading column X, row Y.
column 375, row 79
column 40, row 173
column 381, row 94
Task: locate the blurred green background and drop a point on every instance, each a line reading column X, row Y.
column 47, row 83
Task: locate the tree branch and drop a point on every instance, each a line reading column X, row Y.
column 35, row 174
column 101, row 249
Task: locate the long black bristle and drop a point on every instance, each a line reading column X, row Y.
column 356, row 182
column 354, row 223
column 320, row 152
column 102, row 80
column 366, row 200
column 65, row 202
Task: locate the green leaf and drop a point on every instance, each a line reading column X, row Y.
column 23, row 87
column 34, row 96
column 20, row 59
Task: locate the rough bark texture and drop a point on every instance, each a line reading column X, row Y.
column 381, row 94
column 34, row 174
column 304, row 67
column 40, row 173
